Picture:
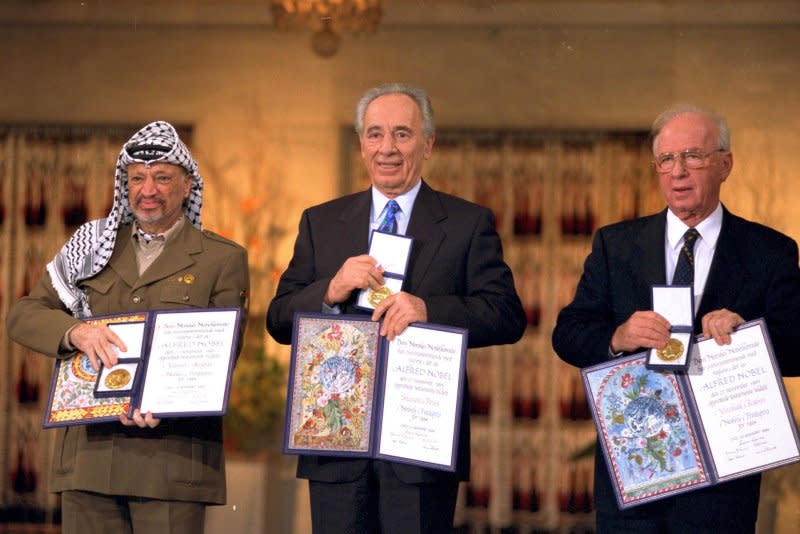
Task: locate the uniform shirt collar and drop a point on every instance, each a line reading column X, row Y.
column 167, row 235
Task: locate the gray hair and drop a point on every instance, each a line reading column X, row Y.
column 415, row 93
column 723, row 133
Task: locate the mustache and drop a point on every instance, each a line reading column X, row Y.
column 158, row 198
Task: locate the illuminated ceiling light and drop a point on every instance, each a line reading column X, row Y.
column 327, row 19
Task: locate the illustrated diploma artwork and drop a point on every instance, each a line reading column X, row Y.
column 352, row 393
column 178, row 363
column 72, row 398
column 664, row 433
column 332, row 385
column 642, row 419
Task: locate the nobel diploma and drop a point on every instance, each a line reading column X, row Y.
column 352, row 392
column 664, row 433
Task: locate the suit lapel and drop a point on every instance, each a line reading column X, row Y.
column 354, row 220
column 351, row 237
column 649, row 253
column 726, row 274
column 423, row 226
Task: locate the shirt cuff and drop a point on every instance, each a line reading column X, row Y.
column 612, row 354
column 335, row 309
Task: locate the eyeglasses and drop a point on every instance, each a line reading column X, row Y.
column 691, row 159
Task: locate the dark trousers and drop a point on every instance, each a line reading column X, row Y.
column 379, row 502
column 84, row 512
column 729, row 507
column 668, row 525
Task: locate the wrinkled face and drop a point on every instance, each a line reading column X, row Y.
column 692, row 194
column 156, row 194
column 393, row 144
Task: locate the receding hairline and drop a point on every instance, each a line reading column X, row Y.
column 678, row 110
column 418, row 95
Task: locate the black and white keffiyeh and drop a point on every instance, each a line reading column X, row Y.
column 87, row 252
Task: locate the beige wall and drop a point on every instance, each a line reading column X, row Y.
column 267, row 112
column 254, row 93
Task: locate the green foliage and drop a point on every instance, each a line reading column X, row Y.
column 256, row 408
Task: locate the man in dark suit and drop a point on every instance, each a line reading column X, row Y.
column 742, row 271
column 456, row 276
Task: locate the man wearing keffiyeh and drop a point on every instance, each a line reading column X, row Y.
column 143, row 474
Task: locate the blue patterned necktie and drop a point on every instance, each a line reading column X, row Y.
column 389, row 222
column 684, row 270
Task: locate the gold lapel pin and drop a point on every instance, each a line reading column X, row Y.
column 189, row 279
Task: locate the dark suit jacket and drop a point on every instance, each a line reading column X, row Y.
column 182, row 458
column 754, row 273
column 456, row 267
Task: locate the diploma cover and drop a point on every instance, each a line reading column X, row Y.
column 352, row 393
column 664, row 433
column 178, row 363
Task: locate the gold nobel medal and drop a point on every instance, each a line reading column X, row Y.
column 377, row 295
column 118, row 379
column 672, row 351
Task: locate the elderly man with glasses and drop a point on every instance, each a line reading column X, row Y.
column 740, row 270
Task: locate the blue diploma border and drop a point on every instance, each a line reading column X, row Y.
column 371, row 448
column 136, row 398
column 627, row 427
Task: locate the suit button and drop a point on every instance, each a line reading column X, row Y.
column 185, row 298
column 137, row 299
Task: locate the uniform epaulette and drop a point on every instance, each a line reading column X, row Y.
column 216, row 237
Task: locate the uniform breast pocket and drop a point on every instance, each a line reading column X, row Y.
column 180, row 295
column 97, row 291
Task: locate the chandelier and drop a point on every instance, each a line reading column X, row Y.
column 327, row 19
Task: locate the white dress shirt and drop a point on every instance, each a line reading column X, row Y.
column 704, row 248
column 403, row 215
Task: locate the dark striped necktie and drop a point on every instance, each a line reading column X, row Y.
column 684, row 270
